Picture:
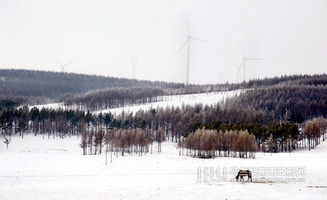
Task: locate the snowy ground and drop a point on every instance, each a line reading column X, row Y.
column 173, row 100
column 34, row 168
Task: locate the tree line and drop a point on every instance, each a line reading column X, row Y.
column 115, row 97
column 57, row 86
column 175, row 123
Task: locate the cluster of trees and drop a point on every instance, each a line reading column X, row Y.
column 281, row 137
column 120, row 140
column 295, row 103
column 314, row 130
column 56, row 123
column 287, row 79
column 206, row 143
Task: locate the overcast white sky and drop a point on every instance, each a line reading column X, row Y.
column 103, row 35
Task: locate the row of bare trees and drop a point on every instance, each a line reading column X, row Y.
column 122, row 141
column 206, row 143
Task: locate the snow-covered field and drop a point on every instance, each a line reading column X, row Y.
column 173, row 100
column 34, row 168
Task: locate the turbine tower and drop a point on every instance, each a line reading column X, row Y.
column 221, row 75
column 187, row 42
column 244, row 60
column 134, row 62
column 238, row 71
column 62, row 66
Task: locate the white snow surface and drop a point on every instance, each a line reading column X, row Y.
column 210, row 98
column 50, row 106
column 44, row 169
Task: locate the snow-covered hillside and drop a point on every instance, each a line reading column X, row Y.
column 39, row 169
column 173, row 100
column 179, row 100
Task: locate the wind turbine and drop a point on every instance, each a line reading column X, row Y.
column 134, row 62
column 187, row 42
column 62, row 66
column 238, row 71
column 221, row 75
column 244, row 60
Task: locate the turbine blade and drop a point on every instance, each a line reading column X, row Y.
column 238, row 67
column 253, row 58
column 70, row 62
column 243, row 53
column 188, row 27
column 183, row 45
column 234, row 65
column 193, row 38
column 57, row 61
column 224, row 70
column 241, row 65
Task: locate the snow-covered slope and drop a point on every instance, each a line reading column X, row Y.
column 173, row 100
column 179, row 100
column 42, row 169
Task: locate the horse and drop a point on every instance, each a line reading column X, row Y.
column 240, row 175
